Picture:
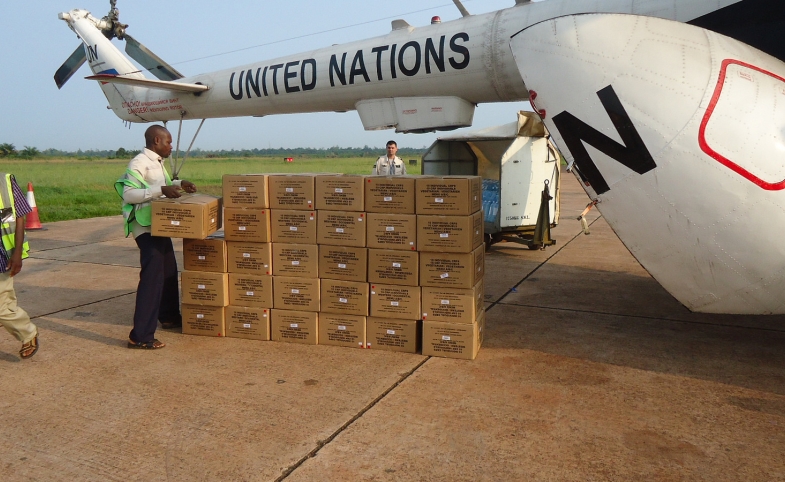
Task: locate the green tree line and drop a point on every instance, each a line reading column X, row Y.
column 9, row 150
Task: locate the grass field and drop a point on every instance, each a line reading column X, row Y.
column 75, row 189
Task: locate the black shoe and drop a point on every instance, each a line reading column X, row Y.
column 171, row 325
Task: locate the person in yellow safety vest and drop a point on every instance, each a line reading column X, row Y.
column 389, row 164
column 157, row 296
column 14, row 248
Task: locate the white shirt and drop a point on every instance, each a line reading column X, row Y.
column 149, row 165
column 389, row 167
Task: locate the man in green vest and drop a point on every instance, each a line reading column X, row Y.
column 13, row 249
column 157, row 296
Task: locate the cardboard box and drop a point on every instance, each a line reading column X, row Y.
column 299, row 294
column 247, row 224
column 295, row 326
column 348, row 297
column 205, row 254
column 392, row 231
column 394, row 301
column 449, row 195
column 249, row 258
column 343, row 263
column 452, row 305
column 390, row 194
column 341, row 228
column 245, row 191
column 291, row 226
column 392, row 267
column 193, row 216
column 341, row 330
column 292, row 191
column 452, row 270
column 392, row 335
column 249, row 323
column 204, row 288
column 203, row 320
column 299, row 260
column 449, row 234
column 453, row 340
column 251, row 290
column 340, row 193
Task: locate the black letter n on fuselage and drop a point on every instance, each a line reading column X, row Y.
column 632, row 154
column 92, row 53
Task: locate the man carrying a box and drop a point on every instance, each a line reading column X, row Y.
column 390, row 164
column 157, row 297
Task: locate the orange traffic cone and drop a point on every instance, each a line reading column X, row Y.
column 32, row 221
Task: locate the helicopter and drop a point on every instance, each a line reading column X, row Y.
column 671, row 113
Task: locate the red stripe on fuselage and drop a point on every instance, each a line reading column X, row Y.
column 710, row 110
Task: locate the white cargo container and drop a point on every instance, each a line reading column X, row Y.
column 516, row 161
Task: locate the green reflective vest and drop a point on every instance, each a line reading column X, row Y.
column 8, row 213
column 141, row 213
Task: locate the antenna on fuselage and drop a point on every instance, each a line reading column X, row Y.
column 461, row 8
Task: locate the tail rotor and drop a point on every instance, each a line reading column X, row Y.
column 111, row 27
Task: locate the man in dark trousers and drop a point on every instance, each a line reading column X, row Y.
column 158, row 296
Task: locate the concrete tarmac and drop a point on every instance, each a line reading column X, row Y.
column 589, row 371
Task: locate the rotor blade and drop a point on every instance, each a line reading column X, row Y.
column 149, row 60
column 70, row 66
column 460, row 6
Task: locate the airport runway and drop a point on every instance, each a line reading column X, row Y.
column 589, row 371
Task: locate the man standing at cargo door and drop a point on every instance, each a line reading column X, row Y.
column 390, row 164
column 158, row 296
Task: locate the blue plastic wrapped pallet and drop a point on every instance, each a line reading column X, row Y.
column 490, row 198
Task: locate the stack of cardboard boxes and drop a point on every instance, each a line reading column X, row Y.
column 393, row 263
column 233, row 268
column 343, row 259
column 450, row 241
column 204, row 283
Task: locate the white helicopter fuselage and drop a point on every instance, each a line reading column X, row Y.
column 468, row 58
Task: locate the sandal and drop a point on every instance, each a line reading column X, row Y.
column 29, row 348
column 148, row 345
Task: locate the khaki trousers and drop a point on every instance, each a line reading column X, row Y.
column 12, row 317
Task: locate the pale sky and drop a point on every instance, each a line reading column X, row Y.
column 34, row 43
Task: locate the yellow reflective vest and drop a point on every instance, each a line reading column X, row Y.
column 8, row 213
